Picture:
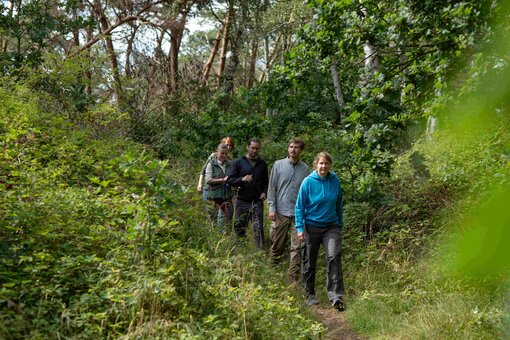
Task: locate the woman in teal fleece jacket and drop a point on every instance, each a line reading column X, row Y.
column 319, row 221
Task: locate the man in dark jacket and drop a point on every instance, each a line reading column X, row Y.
column 249, row 173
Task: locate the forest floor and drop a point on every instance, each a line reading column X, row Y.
column 337, row 327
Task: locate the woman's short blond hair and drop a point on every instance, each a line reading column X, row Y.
column 322, row 154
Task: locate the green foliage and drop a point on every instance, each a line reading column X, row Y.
column 425, row 51
column 422, row 302
column 99, row 239
column 484, row 249
column 439, row 271
column 28, row 27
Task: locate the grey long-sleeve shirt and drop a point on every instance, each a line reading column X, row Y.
column 284, row 184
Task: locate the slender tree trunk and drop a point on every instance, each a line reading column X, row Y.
column 266, row 57
column 371, row 58
column 224, row 42
column 129, row 50
column 431, row 127
column 103, row 21
column 5, row 42
column 270, row 57
column 88, row 73
column 18, row 19
column 210, row 61
column 176, row 33
column 76, row 30
column 267, row 69
column 253, row 61
column 227, row 79
column 338, row 88
column 153, row 68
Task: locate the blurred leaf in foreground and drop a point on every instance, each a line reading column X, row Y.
column 485, row 248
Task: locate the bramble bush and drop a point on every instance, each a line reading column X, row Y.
column 99, row 238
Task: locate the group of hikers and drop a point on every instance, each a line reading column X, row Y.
column 308, row 204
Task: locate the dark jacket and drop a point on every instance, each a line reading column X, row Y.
column 249, row 191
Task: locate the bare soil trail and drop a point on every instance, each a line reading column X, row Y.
column 335, row 323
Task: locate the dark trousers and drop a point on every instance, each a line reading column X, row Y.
column 246, row 211
column 329, row 237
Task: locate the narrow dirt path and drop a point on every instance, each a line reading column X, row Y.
column 336, row 325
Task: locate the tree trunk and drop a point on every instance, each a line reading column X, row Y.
column 371, row 58
column 129, row 50
column 5, row 43
column 153, row 67
column 88, row 73
column 431, row 127
column 338, row 88
column 266, row 58
column 210, row 61
column 176, row 33
column 253, row 61
column 76, row 30
column 103, row 21
column 224, row 42
column 270, row 57
column 227, row 79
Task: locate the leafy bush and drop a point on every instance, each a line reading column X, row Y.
column 99, row 238
column 402, row 273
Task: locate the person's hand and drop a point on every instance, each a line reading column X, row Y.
column 301, row 236
column 247, row 178
column 200, row 186
column 263, row 196
column 272, row 215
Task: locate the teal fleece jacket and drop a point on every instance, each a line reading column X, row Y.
column 319, row 201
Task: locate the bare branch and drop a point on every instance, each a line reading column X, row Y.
column 120, row 22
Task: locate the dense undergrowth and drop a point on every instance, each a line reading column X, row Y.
column 406, row 282
column 100, row 239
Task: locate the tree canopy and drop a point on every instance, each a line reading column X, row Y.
column 107, row 109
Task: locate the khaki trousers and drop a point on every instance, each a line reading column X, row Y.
column 279, row 238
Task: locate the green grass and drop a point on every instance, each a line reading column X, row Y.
column 413, row 279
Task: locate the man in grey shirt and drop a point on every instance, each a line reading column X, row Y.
column 286, row 177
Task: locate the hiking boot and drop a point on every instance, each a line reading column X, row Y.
column 338, row 304
column 311, row 300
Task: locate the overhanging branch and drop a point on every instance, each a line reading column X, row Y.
column 119, row 22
